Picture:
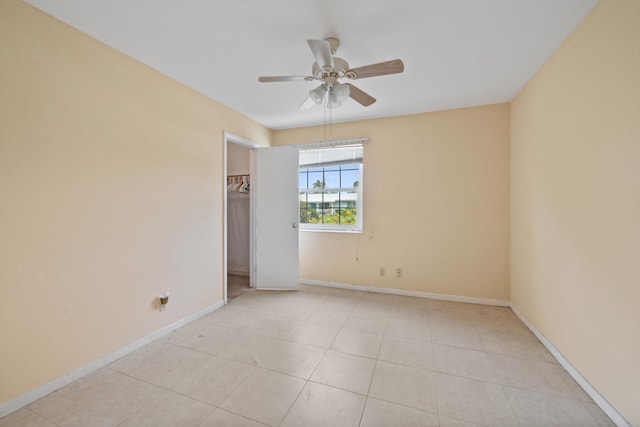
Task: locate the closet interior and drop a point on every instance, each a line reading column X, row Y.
column 238, row 219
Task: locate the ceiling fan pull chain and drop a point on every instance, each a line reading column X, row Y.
column 324, row 119
column 330, row 119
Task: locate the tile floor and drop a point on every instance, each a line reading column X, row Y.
column 237, row 285
column 329, row 357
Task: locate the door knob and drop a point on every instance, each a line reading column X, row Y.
column 295, row 225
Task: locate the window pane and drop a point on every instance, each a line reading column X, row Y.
column 348, row 211
column 347, row 216
column 348, row 200
column 314, row 215
column 314, row 199
column 316, row 179
column 308, row 216
column 332, row 178
column 329, row 202
column 303, row 179
column 350, row 177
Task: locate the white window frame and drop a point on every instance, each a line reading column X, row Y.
column 351, row 228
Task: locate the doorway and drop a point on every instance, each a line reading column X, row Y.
column 239, row 216
column 272, row 187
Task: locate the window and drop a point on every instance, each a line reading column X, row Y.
column 330, row 188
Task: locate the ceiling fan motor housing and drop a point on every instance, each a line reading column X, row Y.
column 340, row 66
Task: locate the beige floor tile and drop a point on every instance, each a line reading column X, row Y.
column 25, row 418
column 357, row 342
column 235, row 315
column 190, row 330
column 529, row 375
column 404, row 385
column 138, row 358
column 345, row 371
column 169, row 364
column 503, row 314
column 330, row 315
column 517, row 346
column 170, row 410
column 535, row 409
column 313, row 289
column 501, row 321
column 406, row 351
column 463, row 362
column 451, row 306
column 319, row 405
column 222, row 418
column 286, row 304
column 276, row 326
column 412, row 327
column 378, row 413
column 410, row 305
column 578, row 392
column 103, row 398
column 443, row 316
column 473, row 401
column 212, row 340
column 378, row 310
column 414, row 311
column 456, row 335
column 313, row 333
column 602, row 418
column 247, row 348
column 452, row 422
column 213, row 379
column 291, row 358
column 264, row 396
column 367, row 322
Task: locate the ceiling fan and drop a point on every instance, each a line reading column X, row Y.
column 329, row 69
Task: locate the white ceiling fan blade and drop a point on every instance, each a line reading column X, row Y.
column 267, row 79
column 308, row 103
column 380, row 69
column 360, row 96
column 322, row 52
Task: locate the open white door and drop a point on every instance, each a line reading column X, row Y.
column 276, row 218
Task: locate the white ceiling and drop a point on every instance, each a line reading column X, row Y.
column 457, row 53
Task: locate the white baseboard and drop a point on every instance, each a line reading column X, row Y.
column 41, row 391
column 611, row 412
column 403, row 292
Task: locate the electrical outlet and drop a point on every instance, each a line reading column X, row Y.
column 398, row 273
column 382, row 271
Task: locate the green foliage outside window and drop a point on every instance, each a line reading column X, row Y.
column 344, row 216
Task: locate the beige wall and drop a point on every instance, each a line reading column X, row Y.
column 575, row 201
column 436, row 205
column 238, row 159
column 110, row 193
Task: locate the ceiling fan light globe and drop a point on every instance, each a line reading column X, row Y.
column 333, row 101
column 341, row 92
column 317, row 94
